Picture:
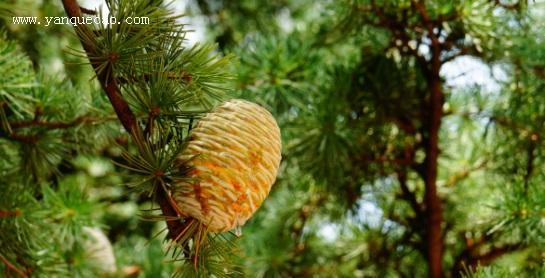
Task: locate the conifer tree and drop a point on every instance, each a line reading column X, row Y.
column 157, row 87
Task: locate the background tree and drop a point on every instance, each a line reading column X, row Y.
column 390, row 165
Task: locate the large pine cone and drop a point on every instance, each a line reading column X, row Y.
column 236, row 153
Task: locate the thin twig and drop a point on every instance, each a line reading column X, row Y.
column 29, row 139
column 109, row 84
column 457, row 177
column 10, row 213
column 9, row 265
column 122, row 109
column 55, row 124
column 87, row 11
column 182, row 76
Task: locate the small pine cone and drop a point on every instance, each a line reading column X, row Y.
column 236, row 153
column 99, row 251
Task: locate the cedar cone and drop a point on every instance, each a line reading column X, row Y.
column 234, row 152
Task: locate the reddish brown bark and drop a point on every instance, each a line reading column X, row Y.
column 109, row 85
column 10, row 213
column 124, row 114
column 472, row 256
column 12, row 269
column 174, row 225
column 434, row 210
column 53, row 124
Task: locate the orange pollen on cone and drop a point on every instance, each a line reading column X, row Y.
column 237, row 186
column 242, row 198
column 200, row 197
column 240, row 204
column 234, row 153
column 236, row 207
column 255, row 158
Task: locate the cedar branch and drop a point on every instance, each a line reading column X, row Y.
column 123, row 111
column 121, row 107
column 54, row 124
column 9, row 265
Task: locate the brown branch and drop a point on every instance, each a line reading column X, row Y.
column 517, row 127
column 29, row 139
column 53, row 124
column 473, row 255
column 109, row 84
column 182, row 76
column 12, row 267
column 493, row 254
column 457, row 177
column 471, row 258
column 87, row 11
column 10, row 213
column 155, row 111
column 464, row 256
column 174, row 224
column 121, row 108
column 429, row 24
column 36, row 122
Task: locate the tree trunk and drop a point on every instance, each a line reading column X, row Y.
column 434, row 211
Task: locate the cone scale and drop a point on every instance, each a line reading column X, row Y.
column 234, row 153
